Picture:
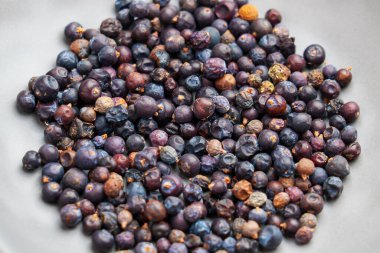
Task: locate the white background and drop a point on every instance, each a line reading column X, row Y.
column 31, row 35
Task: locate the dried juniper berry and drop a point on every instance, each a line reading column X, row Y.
column 67, row 59
column 208, row 164
column 196, row 146
column 200, row 40
column 330, row 89
column 26, row 101
column 52, row 172
column 270, row 237
column 75, row 179
column 103, row 240
column 246, row 245
column 303, row 235
column 117, row 115
column 194, row 212
column 86, row 158
column 168, row 155
column 171, row 185
column 337, row 166
column 299, row 122
column 262, row 161
column 125, row 240
column 350, row 111
column 268, row 139
column 203, row 108
column 221, row 128
column 343, row 77
column 31, row 160
column 173, row 205
column 284, row 166
column 51, row 192
column 192, row 192
column 158, row 138
column 246, row 146
column 332, row 187
column 314, row 55
column 214, row 68
column 189, row 165
column 204, row 16
column 70, row 215
column 68, row 196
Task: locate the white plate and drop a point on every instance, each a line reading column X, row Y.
column 31, row 37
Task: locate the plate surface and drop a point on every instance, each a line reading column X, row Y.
column 31, row 37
